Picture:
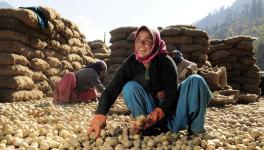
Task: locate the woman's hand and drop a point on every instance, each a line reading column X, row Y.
column 97, row 123
column 143, row 122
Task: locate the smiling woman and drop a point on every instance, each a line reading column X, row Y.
column 143, row 43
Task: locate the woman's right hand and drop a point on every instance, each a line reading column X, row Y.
column 97, row 123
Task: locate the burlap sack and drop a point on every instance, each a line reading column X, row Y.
column 76, row 33
column 223, row 78
column 101, row 50
column 244, row 80
column 219, row 54
column 118, row 37
column 234, row 72
column 239, row 52
column 28, row 17
column 12, row 24
column 58, row 25
column 52, row 72
column 38, row 76
column 237, row 66
column 15, row 36
column 131, row 37
column 101, row 56
column 53, row 62
column 75, row 42
column 177, row 40
column 39, row 64
column 251, row 74
column 38, row 43
column 245, row 45
column 222, row 46
column 216, row 41
column 13, row 59
column 251, row 88
column 66, row 65
column 75, row 57
column 19, row 48
column 212, row 78
column 119, row 52
column 53, row 80
column 116, row 60
column 14, row 70
column 71, row 25
column 49, row 13
column 236, row 39
column 16, row 82
column 121, row 44
column 43, row 86
column 82, row 51
column 229, row 59
column 219, row 100
column 67, row 33
column 198, row 57
column 247, row 98
column 193, row 47
column 234, row 85
column 121, row 30
column 23, row 38
column 96, row 44
column 9, row 95
column 53, row 44
column 64, row 49
column 76, row 65
column 247, row 60
column 171, row 32
column 194, row 33
column 51, row 53
column 201, row 40
column 88, row 59
column 228, row 66
column 182, row 26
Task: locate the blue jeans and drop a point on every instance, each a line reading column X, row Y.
column 193, row 99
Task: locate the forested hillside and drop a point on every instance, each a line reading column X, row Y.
column 244, row 17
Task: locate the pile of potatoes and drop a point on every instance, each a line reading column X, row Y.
column 43, row 125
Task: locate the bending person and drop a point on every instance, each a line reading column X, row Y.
column 83, row 85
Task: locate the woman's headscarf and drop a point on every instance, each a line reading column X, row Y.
column 158, row 47
column 98, row 66
column 176, row 56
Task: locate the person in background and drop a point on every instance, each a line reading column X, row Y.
column 148, row 82
column 83, row 85
column 184, row 67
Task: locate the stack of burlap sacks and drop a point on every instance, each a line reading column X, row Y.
column 238, row 56
column 191, row 42
column 122, row 43
column 99, row 49
column 33, row 59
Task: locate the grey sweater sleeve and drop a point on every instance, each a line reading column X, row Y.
column 95, row 80
column 88, row 77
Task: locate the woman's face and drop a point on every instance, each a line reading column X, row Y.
column 143, row 43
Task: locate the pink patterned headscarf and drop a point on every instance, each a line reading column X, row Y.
column 158, row 47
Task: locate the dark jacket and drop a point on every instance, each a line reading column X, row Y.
column 163, row 76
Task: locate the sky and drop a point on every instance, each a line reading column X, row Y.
column 97, row 17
